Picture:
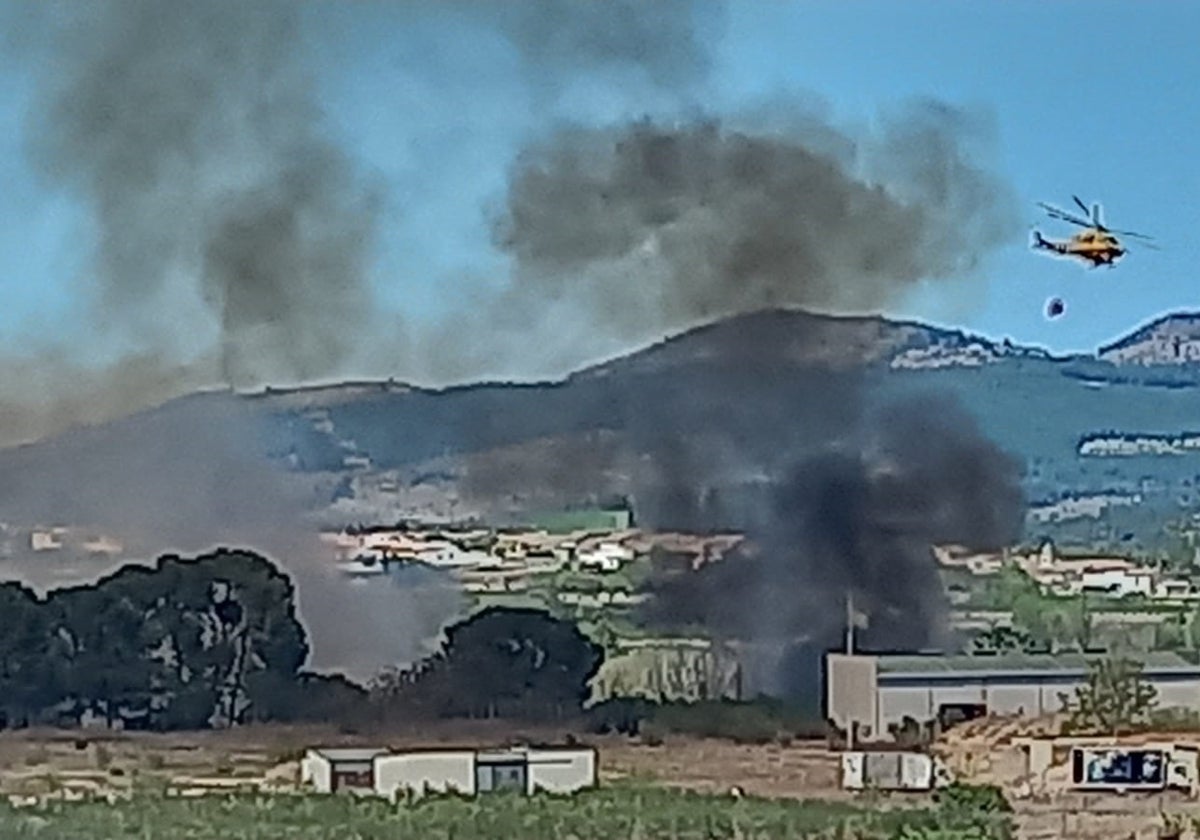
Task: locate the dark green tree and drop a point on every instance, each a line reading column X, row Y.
column 1002, row 639
column 230, row 622
column 505, row 662
column 26, row 675
column 186, row 644
column 104, row 649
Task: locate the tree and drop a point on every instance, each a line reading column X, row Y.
column 507, row 662
column 26, row 682
column 189, row 643
column 1114, row 699
column 1002, row 639
column 230, row 622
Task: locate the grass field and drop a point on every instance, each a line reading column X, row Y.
column 614, row 813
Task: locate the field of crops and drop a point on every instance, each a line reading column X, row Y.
column 609, row 814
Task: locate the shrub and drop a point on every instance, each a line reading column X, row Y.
column 977, row 799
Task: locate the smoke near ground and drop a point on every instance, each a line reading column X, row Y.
column 190, row 477
column 854, row 521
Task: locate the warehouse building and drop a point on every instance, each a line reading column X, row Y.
column 876, row 692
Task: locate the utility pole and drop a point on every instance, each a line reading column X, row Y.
column 849, row 622
column 851, row 724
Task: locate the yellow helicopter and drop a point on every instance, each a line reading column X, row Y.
column 1096, row 244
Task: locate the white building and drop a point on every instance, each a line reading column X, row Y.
column 1174, row 588
column 469, row 772
column 606, row 557
column 47, row 540
column 1118, row 582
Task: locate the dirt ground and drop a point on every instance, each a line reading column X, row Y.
column 36, row 763
column 33, row 762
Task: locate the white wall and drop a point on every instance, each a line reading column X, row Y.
column 316, row 772
column 1031, row 698
column 897, row 703
column 1018, row 699
column 1180, row 694
column 561, row 771
column 440, row 772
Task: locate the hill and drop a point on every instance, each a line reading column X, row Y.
column 1172, row 339
column 383, row 450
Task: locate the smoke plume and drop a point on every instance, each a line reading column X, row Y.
column 622, row 234
column 194, row 134
column 853, row 523
column 656, row 226
column 233, row 243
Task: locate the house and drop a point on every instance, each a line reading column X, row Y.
column 102, row 544
column 468, row 772
column 47, row 540
column 1173, row 589
column 332, row 770
column 1117, row 582
column 605, row 557
column 977, row 563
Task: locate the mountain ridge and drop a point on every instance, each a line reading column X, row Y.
column 385, row 449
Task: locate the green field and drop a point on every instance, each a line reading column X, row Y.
column 610, row 814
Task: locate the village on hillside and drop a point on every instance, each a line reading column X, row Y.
column 594, row 567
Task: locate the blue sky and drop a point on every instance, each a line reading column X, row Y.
column 1095, row 98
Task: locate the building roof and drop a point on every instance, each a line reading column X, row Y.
column 349, row 753
column 943, row 665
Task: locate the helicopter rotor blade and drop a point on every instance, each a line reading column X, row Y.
column 1132, row 235
column 1139, row 244
column 1055, row 213
column 1080, row 203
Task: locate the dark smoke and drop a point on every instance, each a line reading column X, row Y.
column 226, row 216
column 619, row 235
column 656, row 226
column 854, row 521
column 859, row 517
column 194, row 133
column 719, row 220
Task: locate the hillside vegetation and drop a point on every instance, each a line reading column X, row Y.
column 383, row 449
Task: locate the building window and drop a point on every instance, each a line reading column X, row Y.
column 496, row 777
column 352, row 779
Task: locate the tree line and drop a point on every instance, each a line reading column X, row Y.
column 215, row 641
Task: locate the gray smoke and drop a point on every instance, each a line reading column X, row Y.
column 194, row 134
column 188, row 477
